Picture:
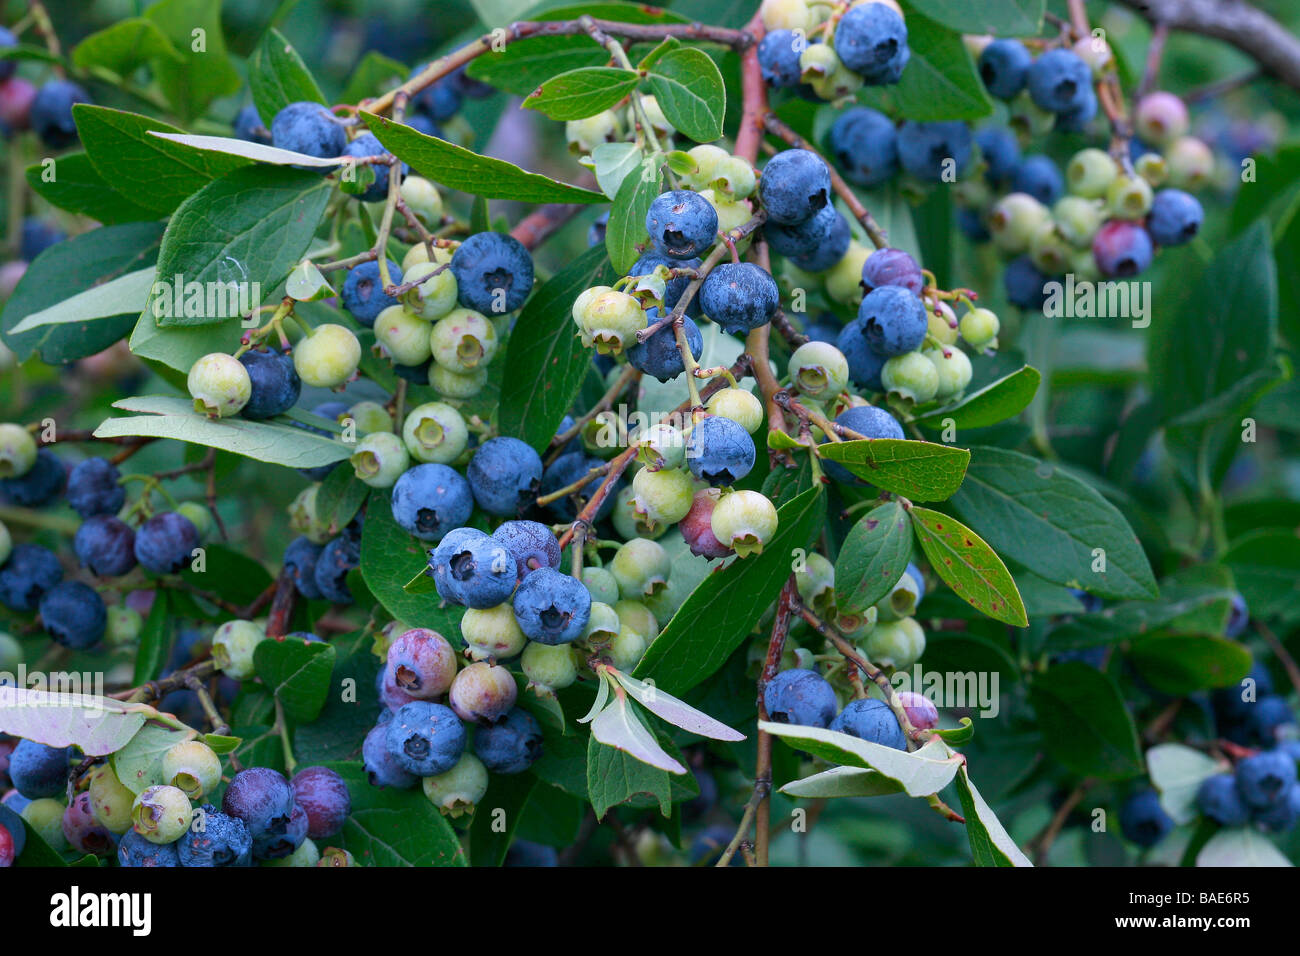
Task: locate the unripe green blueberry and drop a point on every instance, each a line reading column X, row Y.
column 740, row 405
column 661, row 446
column 1014, row 220
column 380, row 459
column 662, row 497
column 1160, row 118
column 436, row 295
column 626, row 649
column 911, row 378
column 161, row 814
column 435, row 432
column 11, row 652
column 548, row 667
column 603, row 436
column 785, row 15
column 219, row 385
column 732, row 214
column 459, row 790
column 602, row 625
column 483, row 692
column 45, row 816
column 1190, row 163
column 1078, row 219
column 419, row 254
column 403, row 335
column 1153, row 168
column 856, row 623
column 1090, row 173
column 584, row 135
column 17, row 450
column 1084, row 265
column 423, row 199
column 654, row 115
column 975, row 193
column 451, row 384
column 328, row 357
column 979, row 327
column 901, row 600
column 198, row 515
column 1049, row 251
column 1028, row 120
column 844, row 279
column 638, row 617
column 1094, row 51
column 896, row 643
column 954, row 370
column 628, row 523
column 1129, row 197
column 6, row 543
column 307, row 854
column 109, row 800
column 582, row 304
column 304, row 519
column 942, row 326
column 233, row 645
column 610, row 322
column 492, row 633
column 819, row 369
column 744, row 521
column 463, row 340
column 707, row 160
column 733, row 178
column 601, row 584
column 816, row 582
column 641, row 567
column 820, row 67
column 369, row 417
column 192, row 767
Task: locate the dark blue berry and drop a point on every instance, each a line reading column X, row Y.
column 1001, row 152
column 275, row 383
column 802, row 238
column 134, row 850
column 552, row 608
column 1058, row 81
column 425, row 739
column 431, row 499
column 300, row 560
column 1024, row 283
column 719, row 451
column 527, row 853
column 7, row 41
column 659, row 356
column 248, row 126
column 831, row 249
column 795, row 184
column 74, row 615
column 37, row 236
column 865, row 145
column 673, row 288
column 472, row 568
column 925, row 149
column 972, row 226
column 40, row 485
column 1122, row 249
column 324, row 797
column 367, row 144
column 1264, row 778
column 340, row 555
column 439, row 100
column 568, row 469
column 382, row 768
column 363, row 291
column 800, row 697
column 278, row 842
column 739, row 296
column 531, row 544
column 510, row 746
column 893, row 320
column 1219, row 800
column 778, row 58
column 504, row 476
column 38, row 771
column 51, row 112
column 1175, row 217
column 865, row 363
column 596, row 231
column 1268, row 715
column 871, row 40
column 871, row 720
column 494, row 273
column 892, row 267
column 1238, row 617
column 93, row 488
column 1004, row 67
column 1142, row 820
column 30, row 571
column 1039, row 177
column 311, row 129
column 164, row 543
column 261, row 798
column 1077, row 119
column 215, row 839
column 870, row 422
column 682, row 224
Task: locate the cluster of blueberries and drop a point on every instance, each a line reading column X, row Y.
column 46, row 110
column 262, row 817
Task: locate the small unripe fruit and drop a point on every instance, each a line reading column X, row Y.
column 638, row 617
column 910, row 378
column 1129, row 197
column 328, row 357
column 954, row 370
column 403, row 335
column 1160, row 118
column 641, row 568
column 1077, row 219
column 601, row 584
column 436, row 295
column 661, row 446
column 435, row 432
column 610, row 321
column 816, row 582
column 1090, row 173
column 1190, row 163
column 1095, row 52
column 662, row 497
column 979, row 327
column 603, row 625
column 492, row 633
column 161, row 814
column 423, row 199
column 17, row 450
column 549, row 667
column 454, row 385
column 457, row 791
column 1152, row 168
column 219, row 385
column 369, row 417
column 1014, row 220
column 942, row 326
column 819, row 369
column 626, row 649
column 1048, row 250
column 483, row 693
column 45, row 816
column 740, row 405
column 697, row 526
column 380, row 459
column 785, row 15
column 463, row 340
column 844, row 279
column 901, row 600
column 233, row 645
column 584, row 135
column 124, row 626
column 920, row 710
column 744, row 521
column 896, row 643
column 192, row 767
column 110, row 800
column 303, row 517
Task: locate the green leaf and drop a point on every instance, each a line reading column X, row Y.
column 689, row 89
column 522, row 66
column 389, row 827
column 842, row 782
column 500, row 13
column 615, row 777
column 873, row 557
column 722, row 611
column 990, row 843
column 340, row 497
column 918, row 773
column 1240, row 846
column 971, row 568
column 1085, row 723
column 71, row 182
column 1266, row 566
column 626, row 227
column 458, row 168
column 614, row 162
column 204, row 71
column 58, row 718
column 920, row 470
column 375, row 72
column 1004, row 18
column 1178, row 772
column 155, row 641
column 115, row 297
column 152, row 172
column 222, row 744
column 959, row 735
column 270, row 441
column 939, row 81
column 578, row 94
column 1048, row 520
column 994, row 403
column 230, row 572
column 278, row 77
column 74, row 266
column 545, row 360
column 389, row 558
column 297, row 672
column 241, row 236
column 1185, row 663
column 350, row 705
column 961, row 652
column 124, row 46
column 139, row 764
column 497, row 815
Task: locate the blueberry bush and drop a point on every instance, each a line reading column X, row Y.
column 584, row 433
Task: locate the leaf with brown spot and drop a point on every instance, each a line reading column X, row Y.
column 972, row 569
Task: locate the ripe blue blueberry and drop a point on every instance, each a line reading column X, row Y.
column 1238, row 617
column 1175, row 217
column 1218, row 799
column 1265, row 778
column 865, row 363
column 106, row 545
column 440, row 100
column 925, row 149
column 1142, row 820
column 871, row 720
column 865, row 145
column 431, row 499
column 972, row 226
column 1268, row 715
column 1039, row 177
column 1077, row 119
column 215, row 839
column 93, row 488
column 830, row 249
column 382, row 768
column 800, row 697
column 7, row 67
column 300, row 560
column 682, row 224
column 871, row 40
column 30, row 571
column 531, row 544
column 802, row 238
column 494, row 273
column 1122, row 249
column 794, row 186
column 552, row 608
column 51, row 112
column 278, row 842
column 40, row 485
column 510, row 746
column 719, row 451
column 1001, row 152
column 1004, row 67
column 163, row 544
column 324, row 797
column 367, row 144
column 673, row 288
column 134, row 850
column 74, row 615
column 740, row 296
column 274, row 381
column 248, row 126
column 339, row 556
column 1282, row 814
column 870, row 422
column 262, row 798
column 308, row 128
column 659, row 356
column 38, row 771
column 1024, row 283
column 1058, row 81
column 893, row 320
column 425, row 738
column 778, row 58
column 504, row 476
column 892, row 267
column 565, row 471
column 472, row 568
column 363, row 291
column 37, row 236
column 527, row 853
column 596, row 231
